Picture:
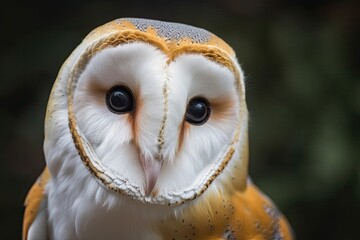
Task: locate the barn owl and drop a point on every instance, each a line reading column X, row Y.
column 146, row 138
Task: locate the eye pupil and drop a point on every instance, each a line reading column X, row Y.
column 198, row 111
column 120, row 100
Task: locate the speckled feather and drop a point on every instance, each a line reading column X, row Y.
column 172, row 31
column 242, row 216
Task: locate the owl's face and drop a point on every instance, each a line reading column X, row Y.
column 156, row 110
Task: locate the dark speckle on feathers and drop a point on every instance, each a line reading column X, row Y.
column 230, row 235
column 172, row 31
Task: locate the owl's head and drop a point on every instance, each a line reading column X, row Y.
column 156, row 111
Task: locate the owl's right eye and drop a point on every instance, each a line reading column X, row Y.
column 119, row 100
column 198, row 111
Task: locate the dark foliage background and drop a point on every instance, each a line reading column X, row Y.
column 301, row 59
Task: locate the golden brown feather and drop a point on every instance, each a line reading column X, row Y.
column 242, row 216
column 33, row 201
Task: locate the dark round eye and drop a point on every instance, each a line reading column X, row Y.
column 198, row 111
column 119, row 100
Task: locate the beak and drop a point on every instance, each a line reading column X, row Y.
column 151, row 167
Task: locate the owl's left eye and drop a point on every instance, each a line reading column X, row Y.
column 119, row 100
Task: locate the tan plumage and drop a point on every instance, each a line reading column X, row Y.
column 201, row 188
column 245, row 215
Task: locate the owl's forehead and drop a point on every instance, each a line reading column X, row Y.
column 173, row 39
column 168, row 36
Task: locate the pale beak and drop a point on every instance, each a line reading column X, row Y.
column 151, row 167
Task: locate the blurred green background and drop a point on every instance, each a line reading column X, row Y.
column 301, row 60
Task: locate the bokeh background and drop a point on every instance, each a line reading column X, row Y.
column 301, row 60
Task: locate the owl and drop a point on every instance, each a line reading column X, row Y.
column 146, row 137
